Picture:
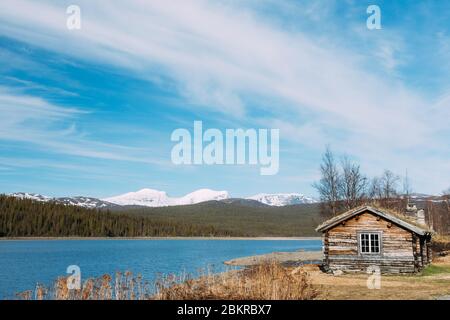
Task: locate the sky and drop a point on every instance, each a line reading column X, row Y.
column 90, row 111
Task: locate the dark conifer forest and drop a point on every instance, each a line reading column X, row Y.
column 27, row 218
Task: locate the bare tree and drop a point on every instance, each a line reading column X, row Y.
column 384, row 188
column 439, row 216
column 375, row 189
column 446, row 196
column 328, row 185
column 407, row 188
column 389, row 182
column 353, row 184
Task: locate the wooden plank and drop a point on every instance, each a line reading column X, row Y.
column 400, row 248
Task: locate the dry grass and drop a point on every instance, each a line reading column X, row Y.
column 268, row 281
column 442, row 238
column 440, row 243
column 400, row 214
column 354, row 286
column 125, row 286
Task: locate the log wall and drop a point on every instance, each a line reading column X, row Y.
column 401, row 250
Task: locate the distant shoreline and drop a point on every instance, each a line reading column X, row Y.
column 158, row 238
column 295, row 257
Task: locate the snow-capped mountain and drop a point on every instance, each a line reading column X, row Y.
column 85, row 202
column 156, row 198
column 282, row 199
column 202, row 195
column 31, row 196
column 144, row 197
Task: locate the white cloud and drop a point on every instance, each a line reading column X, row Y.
column 51, row 128
column 219, row 54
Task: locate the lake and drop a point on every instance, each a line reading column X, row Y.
column 23, row 263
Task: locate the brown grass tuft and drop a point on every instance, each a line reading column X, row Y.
column 123, row 287
column 269, row 281
column 440, row 243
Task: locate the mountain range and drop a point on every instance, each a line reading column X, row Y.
column 156, row 198
column 85, row 202
column 282, row 199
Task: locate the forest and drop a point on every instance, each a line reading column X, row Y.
column 28, row 218
column 342, row 186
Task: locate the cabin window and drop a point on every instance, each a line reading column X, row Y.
column 369, row 243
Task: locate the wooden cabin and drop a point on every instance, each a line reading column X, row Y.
column 368, row 236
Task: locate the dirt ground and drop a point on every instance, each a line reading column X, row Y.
column 354, row 286
column 286, row 258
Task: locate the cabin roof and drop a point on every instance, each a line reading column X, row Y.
column 390, row 216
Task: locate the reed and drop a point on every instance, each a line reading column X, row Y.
column 124, row 286
column 268, row 281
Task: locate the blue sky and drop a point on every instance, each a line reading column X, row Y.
column 90, row 111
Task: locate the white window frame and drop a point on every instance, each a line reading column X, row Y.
column 370, row 244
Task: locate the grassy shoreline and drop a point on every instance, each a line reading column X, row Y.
column 158, row 238
column 267, row 281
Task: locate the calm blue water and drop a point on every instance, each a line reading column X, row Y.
column 24, row 263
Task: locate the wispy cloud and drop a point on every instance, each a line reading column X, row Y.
column 226, row 58
column 219, row 55
column 50, row 127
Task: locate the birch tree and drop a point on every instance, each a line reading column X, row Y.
column 328, row 185
column 353, row 184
